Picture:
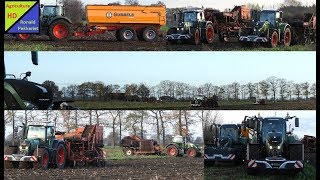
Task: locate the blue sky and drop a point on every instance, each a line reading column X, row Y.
column 218, row 4
column 194, row 68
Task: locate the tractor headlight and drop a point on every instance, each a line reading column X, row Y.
column 278, row 147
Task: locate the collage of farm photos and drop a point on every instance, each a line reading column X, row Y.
column 148, row 89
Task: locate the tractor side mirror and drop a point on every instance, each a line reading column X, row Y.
column 28, row 74
column 41, row 5
column 34, row 56
column 296, row 122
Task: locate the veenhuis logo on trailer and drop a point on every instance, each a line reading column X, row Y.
column 109, row 14
column 22, row 17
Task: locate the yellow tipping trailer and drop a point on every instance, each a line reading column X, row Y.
column 129, row 22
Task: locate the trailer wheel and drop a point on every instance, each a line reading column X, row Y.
column 150, row 34
column 195, row 36
column 43, row 158
column 24, row 37
column 273, row 42
column 8, row 151
column 61, row 156
column 287, row 37
column 127, row 34
column 191, row 153
column 60, row 30
column 172, row 151
column 128, row 152
column 209, row 34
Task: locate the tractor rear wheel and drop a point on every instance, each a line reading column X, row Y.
column 150, row 34
column 172, row 151
column 9, row 151
column 191, row 153
column 209, row 34
column 43, row 158
column 273, row 41
column 24, row 37
column 127, row 34
column 61, row 156
column 60, row 30
column 287, row 37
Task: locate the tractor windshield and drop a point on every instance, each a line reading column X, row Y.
column 273, row 125
column 36, row 132
column 269, row 16
column 49, row 11
column 190, row 16
column 229, row 132
column 199, row 97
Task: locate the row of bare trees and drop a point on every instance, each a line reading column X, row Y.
column 158, row 124
column 272, row 88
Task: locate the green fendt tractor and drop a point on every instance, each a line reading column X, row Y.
column 227, row 144
column 273, row 147
column 269, row 30
column 38, row 148
column 53, row 23
column 21, row 94
column 180, row 146
column 192, row 27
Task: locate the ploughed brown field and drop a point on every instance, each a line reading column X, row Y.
column 108, row 42
column 139, row 169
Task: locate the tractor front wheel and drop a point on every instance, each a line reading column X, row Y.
column 287, row 37
column 42, row 158
column 61, row 156
column 172, row 151
column 273, row 42
column 128, row 152
column 60, row 30
column 195, row 36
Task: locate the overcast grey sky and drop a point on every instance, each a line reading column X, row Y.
column 218, row 4
column 195, row 68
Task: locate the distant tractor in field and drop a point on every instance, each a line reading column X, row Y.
column 272, row 146
column 203, row 101
column 228, row 144
column 180, row 146
column 268, row 30
column 135, row 145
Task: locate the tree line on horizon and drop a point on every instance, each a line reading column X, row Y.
column 272, row 88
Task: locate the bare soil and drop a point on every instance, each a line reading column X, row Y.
column 139, row 169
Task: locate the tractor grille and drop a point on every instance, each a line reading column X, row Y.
column 146, row 145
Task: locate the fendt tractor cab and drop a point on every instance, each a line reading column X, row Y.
column 270, row 29
column 53, row 23
column 38, row 147
column 192, row 27
column 228, row 144
column 180, row 145
column 273, row 147
column 21, row 94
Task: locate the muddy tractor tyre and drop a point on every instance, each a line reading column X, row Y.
column 128, row 152
column 295, row 152
column 60, row 30
column 8, row 151
column 24, row 37
column 127, row 34
column 42, row 160
column 287, row 37
column 191, row 153
column 195, row 39
column 150, row 34
column 274, row 39
column 172, row 151
column 61, row 156
column 209, row 34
